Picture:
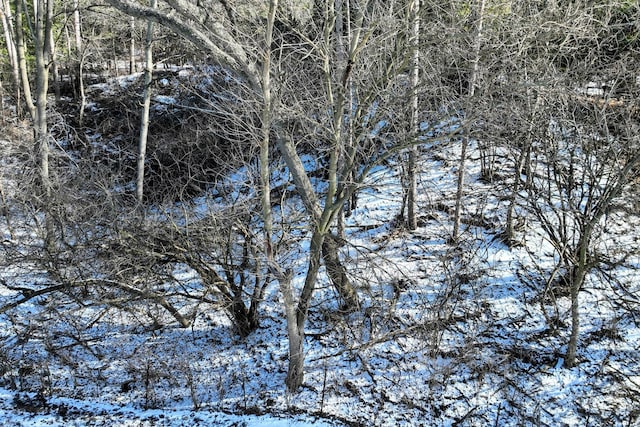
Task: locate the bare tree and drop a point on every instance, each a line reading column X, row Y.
column 414, row 81
column 473, row 80
column 580, row 148
column 6, row 16
column 132, row 45
column 317, row 119
column 42, row 35
column 579, row 180
column 21, row 58
column 77, row 75
column 146, row 105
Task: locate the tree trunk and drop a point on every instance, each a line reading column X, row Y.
column 321, row 219
column 572, row 346
column 42, row 87
column 338, row 275
column 243, row 319
column 340, row 33
column 475, row 65
column 509, row 232
column 53, row 62
column 146, row 104
column 81, row 92
column 577, row 279
column 78, row 62
column 295, row 324
column 297, row 315
column 77, row 26
column 412, row 191
column 245, row 323
column 460, row 190
column 5, row 210
column 132, row 45
column 22, row 61
column 43, row 12
column 265, row 171
column 7, row 25
column 295, row 372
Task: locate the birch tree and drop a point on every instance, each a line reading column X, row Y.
column 79, row 59
column 21, row 57
column 412, row 191
column 146, row 104
column 6, row 16
column 42, row 34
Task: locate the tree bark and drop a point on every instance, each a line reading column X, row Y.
column 412, row 191
column 53, row 62
column 338, row 274
column 339, row 97
column 132, row 45
column 78, row 61
column 577, row 279
column 77, row 26
column 267, row 107
column 297, row 315
column 146, row 105
column 460, row 189
column 22, row 61
column 7, row 24
column 43, row 15
column 295, row 329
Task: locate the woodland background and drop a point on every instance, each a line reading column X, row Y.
column 455, row 181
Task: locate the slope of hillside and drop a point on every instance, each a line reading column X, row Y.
column 470, row 333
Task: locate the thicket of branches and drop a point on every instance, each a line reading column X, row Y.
column 546, row 96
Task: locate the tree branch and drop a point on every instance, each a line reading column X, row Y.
column 217, row 41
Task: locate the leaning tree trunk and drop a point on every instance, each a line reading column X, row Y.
column 322, row 219
column 297, row 314
column 338, row 274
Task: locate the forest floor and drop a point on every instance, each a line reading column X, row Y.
column 448, row 335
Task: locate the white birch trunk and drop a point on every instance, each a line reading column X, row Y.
column 146, row 105
column 132, row 45
column 7, row 25
column 412, row 191
column 22, row 61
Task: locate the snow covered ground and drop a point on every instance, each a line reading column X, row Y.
column 448, row 335
column 65, row 412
